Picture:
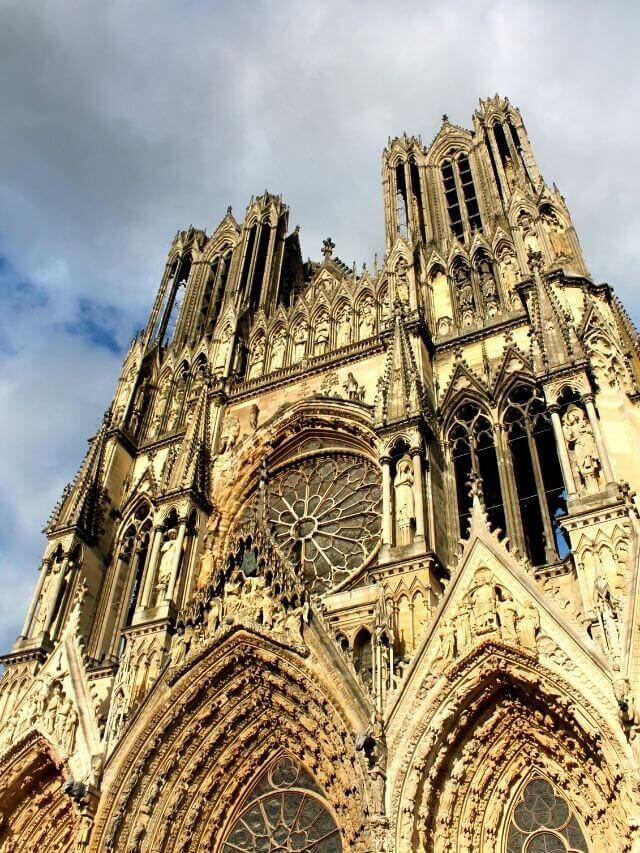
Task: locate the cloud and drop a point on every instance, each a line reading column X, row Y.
column 123, row 122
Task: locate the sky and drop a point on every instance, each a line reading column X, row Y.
column 123, row 122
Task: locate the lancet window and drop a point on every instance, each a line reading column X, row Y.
column 213, row 293
column 538, row 476
column 544, row 822
column 177, row 287
column 460, row 195
column 285, row 811
column 473, row 452
column 414, row 174
column 134, row 550
column 402, row 206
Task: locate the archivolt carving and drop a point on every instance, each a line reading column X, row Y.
column 226, row 716
column 451, row 793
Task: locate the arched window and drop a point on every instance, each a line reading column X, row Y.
column 460, row 195
column 178, row 290
column 402, row 207
column 544, row 822
column 363, row 656
column 416, row 193
column 474, row 453
column 286, row 810
column 538, row 476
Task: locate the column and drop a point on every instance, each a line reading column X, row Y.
column 44, row 570
column 150, row 571
column 176, row 560
column 594, row 422
column 386, row 502
column 563, row 453
column 62, row 571
column 418, row 491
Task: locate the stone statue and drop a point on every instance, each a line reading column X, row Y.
column 402, row 282
column 278, row 347
column 529, row 625
column 581, row 442
column 300, row 337
column 367, row 320
column 529, row 236
column 256, row 361
column 606, row 608
column 232, row 595
column 165, row 566
column 352, row 389
column 229, row 434
column 321, row 344
column 556, row 233
column 345, row 328
column 447, row 640
column 463, row 625
column 483, row 601
column 214, row 616
column 404, row 500
column 508, row 614
column 223, row 350
column 466, row 299
column 509, row 273
column 381, row 395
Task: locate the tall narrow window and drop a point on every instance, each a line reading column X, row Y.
column 207, row 297
column 248, row 257
column 402, row 210
column 469, row 192
column 539, row 483
column 492, row 160
column 417, row 195
column 259, row 268
column 518, row 146
column 473, row 451
column 172, row 314
column 451, row 197
column 501, row 142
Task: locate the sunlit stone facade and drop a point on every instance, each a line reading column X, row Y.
column 351, row 563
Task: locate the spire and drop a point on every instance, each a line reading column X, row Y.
column 554, row 338
column 192, row 468
column 82, row 501
column 401, row 393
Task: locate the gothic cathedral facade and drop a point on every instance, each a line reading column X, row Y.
column 353, row 560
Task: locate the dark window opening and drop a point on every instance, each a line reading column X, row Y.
column 248, row 256
column 259, row 268
column 494, row 168
column 501, row 142
column 451, row 197
column 172, row 312
column 417, row 195
column 401, row 201
column 207, row 298
column 363, row 656
column 469, row 192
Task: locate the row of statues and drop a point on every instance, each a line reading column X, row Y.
column 283, row 348
column 50, row 708
column 488, row 609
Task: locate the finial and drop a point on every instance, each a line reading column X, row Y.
column 229, row 211
column 445, row 118
column 327, row 248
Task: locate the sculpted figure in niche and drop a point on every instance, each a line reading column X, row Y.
column 483, row 602
column 367, row 320
column 352, row 389
column 167, row 557
column 300, row 337
column 233, row 596
column 345, row 328
column 464, row 288
column 223, row 350
column 256, row 362
column 402, row 282
column 404, row 500
column 381, row 395
column 529, row 236
column 176, row 403
column 321, row 343
column 509, row 273
column 229, row 434
column 606, row 608
column 384, row 302
column 278, row 346
column 583, row 447
column 447, row 640
column 488, row 287
column 160, row 406
column 556, row 233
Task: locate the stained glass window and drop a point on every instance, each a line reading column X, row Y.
column 325, row 513
column 286, row 812
column 542, row 822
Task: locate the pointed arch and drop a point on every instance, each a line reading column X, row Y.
column 238, row 703
column 455, row 793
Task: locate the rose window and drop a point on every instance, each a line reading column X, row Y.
column 325, row 514
column 285, row 812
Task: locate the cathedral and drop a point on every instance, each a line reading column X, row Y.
column 352, row 562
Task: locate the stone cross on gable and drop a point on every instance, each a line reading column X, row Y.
column 327, row 248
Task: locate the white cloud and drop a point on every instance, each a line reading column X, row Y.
column 123, row 122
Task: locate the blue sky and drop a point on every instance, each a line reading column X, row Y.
column 122, row 122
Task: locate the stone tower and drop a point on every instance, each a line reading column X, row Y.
column 351, row 563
